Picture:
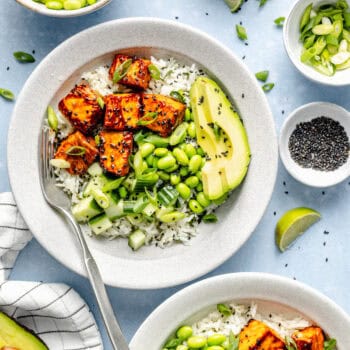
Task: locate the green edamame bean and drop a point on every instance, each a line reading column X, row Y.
column 184, row 171
column 195, row 206
column 54, row 5
column 175, row 179
column 203, row 163
column 215, row 347
column 180, row 156
column 146, row 149
column 184, row 332
column 166, row 162
column 200, row 151
column 184, row 190
column 163, row 175
column 196, row 342
column 203, row 200
column 188, row 115
column 72, row 4
column 195, row 163
column 82, row 3
column 91, row 2
column 161, row 152
column 191, row 130
column 172, row 168
column 192, row 181
column 189, row 150
column 182, row 347
column 199, row 187
column 199, row 175
column 155, row 162
column 172, row 217
column 216, row 339
column 150, row 159
column 144, row 165
column 123, row 193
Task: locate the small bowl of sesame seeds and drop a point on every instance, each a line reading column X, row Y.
column 314, row 144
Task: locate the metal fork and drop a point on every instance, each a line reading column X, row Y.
column 58, row 200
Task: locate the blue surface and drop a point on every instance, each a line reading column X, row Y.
column 319, row 259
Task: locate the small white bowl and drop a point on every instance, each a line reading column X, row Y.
column 41, row 8
column 294, row 46
column 308, row 176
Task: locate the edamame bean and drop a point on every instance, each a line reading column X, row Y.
column 184, row 171
column 180, row 156
column 192, row 181
column 172, row 168
column 184, row 190
column 172, row 217
column 216, row 339
column 199, row 175
column 72, row 5
column 196, row 342
column 184, row 332
column 155, row 162
column 175, row 179
column 189, row 150
column 146, row 149
column 181, row 347
column 82, row 3
column 203, row 200
column 215, row 347
column 195, row 163
column 123, row 193
column 188, row 115
column 163, row 175
column 149, row 160
column 144, row 165
column 161, row 152
column 203, row 162
column 199, row 187
column 200, row 151
column 195, row 206
column 54, row 5
column 191, row 130
column 225, row 344
column 91, row 2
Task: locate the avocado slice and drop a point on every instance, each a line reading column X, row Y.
column 221, row 134
column 15, row 336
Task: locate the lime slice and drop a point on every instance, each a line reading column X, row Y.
column 294, row 223
column 234, row 5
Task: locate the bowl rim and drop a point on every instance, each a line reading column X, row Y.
column 283, row 140
column 301, row 67
column 42, row 9
column 254, row 286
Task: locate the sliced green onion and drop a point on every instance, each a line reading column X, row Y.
column 154, row 71
column 148, row 118
column 138, row 163
column 172, row 216
column 122, row 70
column 290, row 343
column 100, row 102
column 241, row 32
column 97, row 140
column 262, row 2
column 145, row 181
column 23, row 57
column 323, row 29
column 140, row 204
column 279, row 21
column 168, row 196
column 178, row 134
column 224, row 309
column 330, row 344
column 128, row 207
column 7, row 94
column 305, row 18
column 52, row 118
column 112, row 184
column 210, row 218
column 177, row 95
column 268, row 87
column 262, row 76
column 76, row 151
column 156, row 140
column 59, row 163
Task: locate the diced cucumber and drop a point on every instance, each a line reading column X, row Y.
column 100, row 224
column 140, row 204
column 149, row 209
column 137, row 239
column 115, row 209
column 95, row 169
column 86, row 209
column 94, row 182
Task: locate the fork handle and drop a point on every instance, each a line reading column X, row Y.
column 113, row 329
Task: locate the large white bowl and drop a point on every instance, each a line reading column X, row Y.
column 150, row 267
column 294, row 46
column 42, row 9
column 272, row 293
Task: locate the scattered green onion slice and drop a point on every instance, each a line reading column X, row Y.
column 122, row 70
column 148, row 118
column 97, row 140
column 241, row 32
column 177, row 95
column 224, row 309
column 234, row 5
column 279, row 21
column 268, row 87
column 330, row 344
column 290, row 344
column 52, row 118
column 262, row 2
column 7, row 94
column 76, row 151
column 262, row 76
column 210, row 218
column 154, row 71
column 100, row 102
column 23, row 57
column 59, row 163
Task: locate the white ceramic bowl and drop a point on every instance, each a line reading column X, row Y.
column 272, row 293
column 294, row 46
column 149, row 267
column 305, row 113
column 41, row 8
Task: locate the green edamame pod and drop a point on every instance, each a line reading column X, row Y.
column 192, row 181
column 191, row 130
column 216, row 339
column 72, row 5
column 189, row 150
column 146, row 149
column 188, row 115
column 195, row 163
column 174, row 179
column 161, row 152
column 184, row 332
column 195, row 206
column 180, row 156
column 202, row 199
column 166, row 162
column 196, row 341
column 184, row 190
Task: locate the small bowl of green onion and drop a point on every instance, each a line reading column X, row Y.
column 63, row 8
column 317, row 39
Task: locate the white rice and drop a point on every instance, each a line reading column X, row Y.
column 174, row 76
column 214, row 322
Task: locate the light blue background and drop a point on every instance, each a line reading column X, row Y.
column 22, row 30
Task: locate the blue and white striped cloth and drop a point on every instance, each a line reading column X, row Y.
column 54, row 311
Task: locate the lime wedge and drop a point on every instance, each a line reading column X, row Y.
column 294, row 223
column 234, row 5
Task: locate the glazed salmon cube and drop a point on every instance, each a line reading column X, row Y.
column 169, row 113
column 122, row 111
column 309, row 338
column 81, row 108
column 258, row 336
column 136, row 76
column 79, row 150
column 115, row 149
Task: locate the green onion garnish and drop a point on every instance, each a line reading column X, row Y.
column 148, row 118
column 279, row 21
column 210, row 218
column 177, row 95
column 76, row 151
column 154, row 71
column 330, row 344
column 262, row 76
column 262, row 2
column 23, row 57
column 268, row 87
column 122, row 70
column 97, row 140
column 100, row 102
column 52, row 118
column 7, row 94
column 290, row 344
column 224, row 309
column 241, row 32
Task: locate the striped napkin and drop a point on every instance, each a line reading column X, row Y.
column 54, row 311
